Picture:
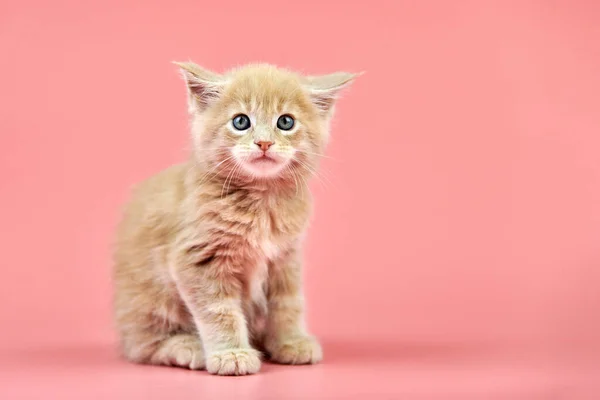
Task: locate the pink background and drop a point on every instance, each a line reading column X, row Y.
column 455, row 248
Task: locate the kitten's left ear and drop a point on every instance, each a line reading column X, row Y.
column 324, row 90
column 204, row 86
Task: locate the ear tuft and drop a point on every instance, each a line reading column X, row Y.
column 204, row 86
column 324, row 90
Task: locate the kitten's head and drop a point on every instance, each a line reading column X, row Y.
column 259, row 121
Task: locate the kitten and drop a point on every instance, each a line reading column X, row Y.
column 207, row 257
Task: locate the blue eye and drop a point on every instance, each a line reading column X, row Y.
column 285, row 122
column 241, row 122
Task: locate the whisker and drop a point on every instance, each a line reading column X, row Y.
column 228, row 175
column 324, row 173
column 317, row 154
column 202, row 180
column 289, row 167
column 316, row 173
column 237, row 168
column 236, row 171
column 305, row 186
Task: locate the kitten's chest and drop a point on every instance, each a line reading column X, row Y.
column 272, row 235
column 266, row 239
column 275, row 226
column 266, row 244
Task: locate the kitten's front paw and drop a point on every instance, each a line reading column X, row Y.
column 233, row 362
column 301, row 350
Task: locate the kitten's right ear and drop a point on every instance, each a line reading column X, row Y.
column 325, row 89
column 204, row 86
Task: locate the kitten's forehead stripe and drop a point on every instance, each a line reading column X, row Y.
column 266, row 88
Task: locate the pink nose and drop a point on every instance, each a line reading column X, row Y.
column 264, row 146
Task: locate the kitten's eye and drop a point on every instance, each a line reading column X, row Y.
column 285, row 122
column 241, row 122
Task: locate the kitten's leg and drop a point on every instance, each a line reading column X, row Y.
column 287, row 340
column 213, row 295
column 180, row 350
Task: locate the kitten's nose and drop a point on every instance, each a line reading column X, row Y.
column 264, row 146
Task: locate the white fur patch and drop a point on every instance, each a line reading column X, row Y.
column 270, row 249
column 257, row 286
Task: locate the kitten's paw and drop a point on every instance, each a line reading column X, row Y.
column 233, row 362
column 181, row 350
column 301, row 350
column 191, row 357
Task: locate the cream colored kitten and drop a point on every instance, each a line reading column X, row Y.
column 207, row 258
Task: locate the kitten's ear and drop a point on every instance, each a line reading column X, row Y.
column 204, row 86
column 324, row 90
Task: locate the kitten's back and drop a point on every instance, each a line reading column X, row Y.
column 149, row 224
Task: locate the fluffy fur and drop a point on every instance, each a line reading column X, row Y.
column 207, row 257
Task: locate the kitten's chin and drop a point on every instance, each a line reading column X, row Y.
column 265, row 167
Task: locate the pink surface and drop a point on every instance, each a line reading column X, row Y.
column 455, row 249
column 353, row 370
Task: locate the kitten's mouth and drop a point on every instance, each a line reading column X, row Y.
column 265, row 165
column 264, row 159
